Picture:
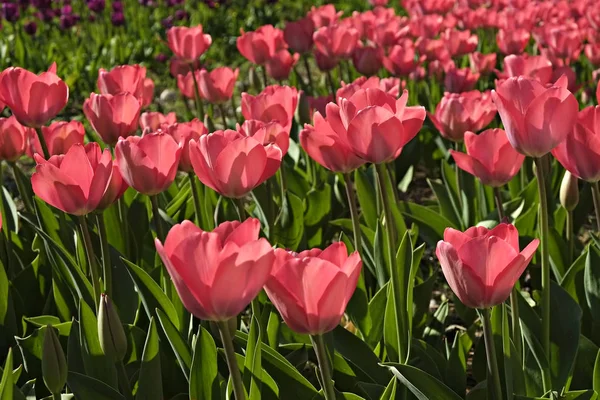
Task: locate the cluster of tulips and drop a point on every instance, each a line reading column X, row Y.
column 218, row 273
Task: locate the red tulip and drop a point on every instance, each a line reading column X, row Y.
column 388, row 32
column 324, row 16
column 148, row 163
column 154, row 120
column 33, row 99
column 402, row 60
column 298, row 35
column 481, row 265
column 116, row 188
column 59, row 137
column 459, row 43
column 275, row 103
column 262, row 44
column 391, row 86
column 13, row 138
column 377, row 124
column 336, row 41
column 266, row 133
column 148, row 94
column 368, row 60
column 460, row 80
column 217, row 85
column 482, row 63
column 75, row 182
column 563, row 42
column 458, row 113
column 512, row 41
column 124, row 78
column 580, row 152
column 185, row 83
column 232, row 164
column 218, row 273
column 536, row 67
column 280, row 65
column 536, row 118
column 112, row 116
column 183, row 132
column 426, row 26
column 490, row 157
column 312, row 289
column 188, row 44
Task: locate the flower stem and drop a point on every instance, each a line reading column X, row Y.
column 324, row 367
column 265, row 77
column 6, row 229
column 194, row 188
column 234, row 107
column 40, row 136
column 89, row 250
column 309, row 73
column 56, row 396
column 223, row 115
column 570, row 228
column 353, row 212
column 331, row 85
column 234, row 370
column 596, row 197
column 198, row 100
column 22, row 188
column 160, row 233
column 539, row 166
column 499, row 206
column 106, row 266
column 239, row 203
column 389, row 219
column 490, row 350
column 124, row 380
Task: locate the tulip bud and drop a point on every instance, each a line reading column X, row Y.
column 54, row 364
column 209, row 124
column 569, row 192
column 303, row 111
column 110, row 331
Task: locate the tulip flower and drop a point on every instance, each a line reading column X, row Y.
column 387, row 32
column 217, row 85
column 490, row 157
column 427, row 26
column 298, row 35
column 123, row 78
column 392, row 86
column 178, row 67
column 217, row 274
column 148, row 163
column 111, row 116
column 512, row 41
column 460, row 80
column 324, row 16
column 183, row 132
column 59, row 137
column 311, row 289
column 13, row 138
column 458, row 42
column 368, row 60
column 281, row 64
column 33, row 99
column 401, row 59
column 75, row 182
column 536, row 118
column 458, row 113
column 275, row 103
column 148, row 93
column 336, row 41
column 261, row 45
column 231, row 164
column 266, row 133
column 116, row 188
column 185, row 83
column 153, row 120
column 563, row 42
column 535, row 67
column 482, row 63
column 188, row 43
column 481, row 265
column 579, row 153
column 319, row 103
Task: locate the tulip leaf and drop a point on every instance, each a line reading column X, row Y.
column 204, row 376
column 6, row 382
column 86, row 387
column 376, row 315
column 74, row 352
column 150, row 380
column 421, row 384
column 318, row 206
column 447, row 203
column 289, row 235
column 425, row 357
column 390, row 390
column 151, row 294
column 366, row 197
column 596, row 374
column 252, row 366
column 592, row 283
column 583, row 371
column 7, row 312
column 431, row 224
column 178, row 343
column 456, row 368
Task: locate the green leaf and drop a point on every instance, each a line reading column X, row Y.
column 366, row 198
column 596, row 378
column 150, row 380
column 204, row 376
column 448, row 208
column 456, row 369
column 592, row 283
column 318, row 206
column 390, row 390
column 421, row 384
column 178, row 343
column 290, row 234
column 151, row 294
column 6, row 383
column 377, row 316
column 252, row 365
column 431, row 224
column 86, row 387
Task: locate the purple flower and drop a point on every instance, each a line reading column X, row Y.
column 10, row 12
column 30, row 28
column 97, row 6
column 117, row 7
column 161, row 57
column 117, row 18
column 167, row 22
column 181, row 15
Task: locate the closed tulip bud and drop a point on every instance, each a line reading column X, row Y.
column 110, row 331
column 569, row 191
column 54, row 364
column 303, row 110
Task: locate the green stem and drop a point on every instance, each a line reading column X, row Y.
column 459, row 178
column 188, row 110
column 239, row 203
column 223, row 116
column 106, row 266
column 160, row 233
column 309, row 73
column 56, row 396
column 124, row 380
column 5, row 226
column 499, row 206
column 194, row 188
column 331, row 85
column 22, row 188
column 265, row 77
column 89, row 250
column 544, row 237
column 197, row 99
column 596, row 197
column 124, row 223
column 324, row 367
column 490, row 350
column 234, row 107
column 353, row 212
column 570, row 236
column 387, row 208
column 234, row 370
column 42, row 140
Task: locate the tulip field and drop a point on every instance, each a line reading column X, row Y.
column 296, row 200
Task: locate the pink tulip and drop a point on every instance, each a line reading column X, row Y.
column 281, row 64
column 482, row 63
column 33, row 99
column 13, row 139
column 512, row 41
column 59, row 137
column 388, row 32
column 218, row 273
column 458, row 113
column 75, row 182
column 391, row 86
column 490, row 157
column 336, row 41
column 536, row 118
column 148, row 94
column 149, row 163
column 266, row 133
column 123, row 78
column 183, row 132
column 217, row 85
column 563, row 42
column 275, row 103
column 536, row 67
column 580, row 152
column 481, row 265
column 231, row 164
column 324, row 16
column 460, row 80
column 188, row 44
column 368, row 60
column 459, row 43
column 111, row 116
column 116, row 188
column 154, row 120
column 298, row 35
column 427, row 26
column 262, row 44
column 318, row 103
column 185, row 83
column 591, row 50
column 402, row 60
column 178, row 67
column 312, row 289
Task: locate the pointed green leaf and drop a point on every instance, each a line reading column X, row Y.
column 6, row 383
column 178, row 343
column 86, row 387
column 421, row 384
column 150, row 380
column 204, row 376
